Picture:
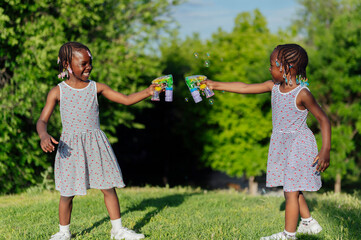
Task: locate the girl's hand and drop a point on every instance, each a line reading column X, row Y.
column 47, row 143
column 152, row 87
column 209, row 83
column 322, row 160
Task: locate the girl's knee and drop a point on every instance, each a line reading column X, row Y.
column 66, row 199
column 110, row 191
column 291, row 195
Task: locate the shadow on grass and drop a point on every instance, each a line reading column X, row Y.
column 344, row 218
column 308, row 237
column 159, row 203
column 89, row 229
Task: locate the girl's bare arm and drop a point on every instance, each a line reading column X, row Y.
column 121, row 98
column 240, row 87
column 309, row 102
column 46, row 141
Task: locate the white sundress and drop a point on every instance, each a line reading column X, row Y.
column 293, row 146
column 84, row 158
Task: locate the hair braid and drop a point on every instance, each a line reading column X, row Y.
column 66, row 54
column 293, row 55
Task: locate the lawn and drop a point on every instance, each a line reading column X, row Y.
column 176, row 213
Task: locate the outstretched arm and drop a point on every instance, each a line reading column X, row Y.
column 240, row 87
column 121, row 98
column 309, row 102
column 46, row 141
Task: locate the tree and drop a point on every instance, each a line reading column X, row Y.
column 119, row 34
column 332, row 31
column 239, row 139
column 233, row 133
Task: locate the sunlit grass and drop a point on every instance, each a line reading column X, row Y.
column 176, row 213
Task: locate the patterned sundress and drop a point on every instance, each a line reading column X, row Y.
column 84, row 158
column 293, row 146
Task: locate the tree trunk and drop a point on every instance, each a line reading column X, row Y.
column 338, row 183
column 253, row 186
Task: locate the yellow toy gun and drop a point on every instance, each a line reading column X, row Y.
column 163, row 82
column 194, row 85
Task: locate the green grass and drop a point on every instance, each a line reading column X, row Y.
column 176, row 213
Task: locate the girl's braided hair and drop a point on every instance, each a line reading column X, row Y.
column 66, row 53
column 293, row 55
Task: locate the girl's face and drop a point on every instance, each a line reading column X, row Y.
column 277, row 75
column 81, row 64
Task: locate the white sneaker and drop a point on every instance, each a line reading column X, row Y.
column 311, row 227
column 280, row 235
column 61, row 236
column 125, row 233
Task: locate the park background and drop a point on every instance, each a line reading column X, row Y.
column 174, row 155
column 179, row 143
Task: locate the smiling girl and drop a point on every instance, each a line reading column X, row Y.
column 84, row 158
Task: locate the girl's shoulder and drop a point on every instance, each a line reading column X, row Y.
column 305, row 93
column 305, row 96
column 100, row 87
column 54, row 93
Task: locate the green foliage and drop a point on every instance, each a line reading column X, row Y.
column 235, row 130
column 238, row 141
column 232, row 135
column 117, row 32
column 333, row 34
column 176, row 213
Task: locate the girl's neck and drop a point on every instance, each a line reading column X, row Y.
column 284, row 88
column 76, row 83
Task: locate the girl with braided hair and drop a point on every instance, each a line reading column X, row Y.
column 294, row 161
column 84, row 157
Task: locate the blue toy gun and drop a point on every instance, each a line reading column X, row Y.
column 194, row 85
column 163, row 82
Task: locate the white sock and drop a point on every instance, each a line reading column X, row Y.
column 116, row 224
column 289, row 234
column 306, row 220
column 64, row 228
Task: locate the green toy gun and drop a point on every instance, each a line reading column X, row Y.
column 194, row 85
column 163, row 82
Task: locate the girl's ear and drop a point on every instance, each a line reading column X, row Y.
column 65, row 64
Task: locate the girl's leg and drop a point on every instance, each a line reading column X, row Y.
column 291, row 218
column 304, row 211
column 65, row 208
column 308, row 225
column 112, row 203
column 292, row 211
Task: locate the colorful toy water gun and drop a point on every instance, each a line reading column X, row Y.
column 163, row 82
column 194, row 85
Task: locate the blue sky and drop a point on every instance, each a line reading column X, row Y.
column 206, row 16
